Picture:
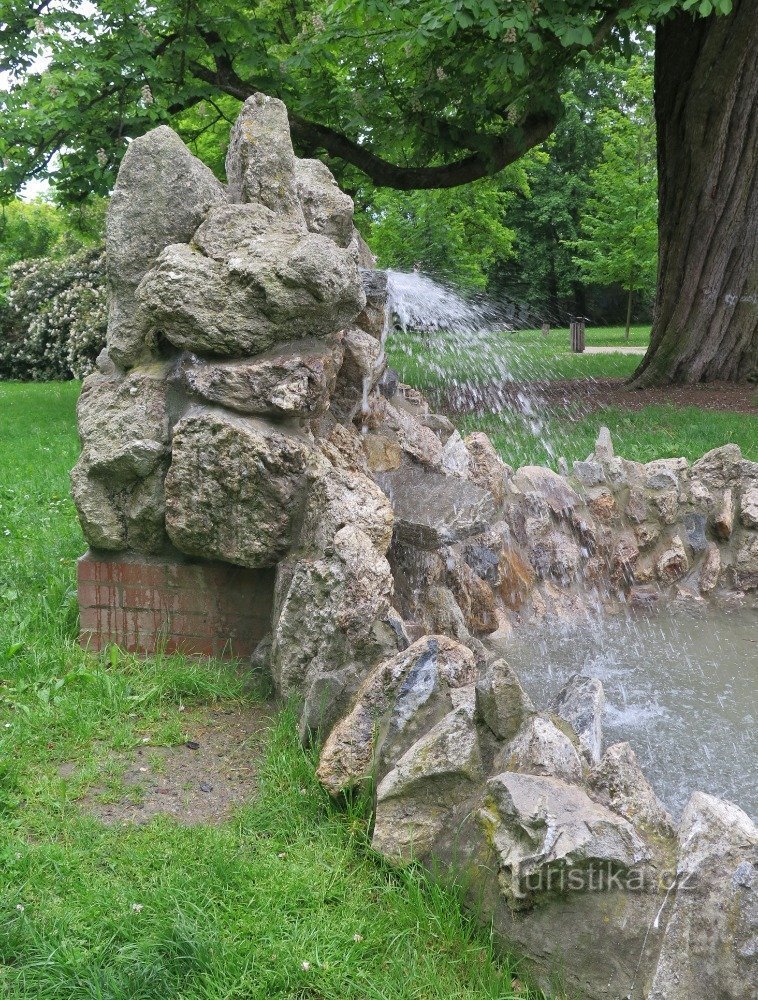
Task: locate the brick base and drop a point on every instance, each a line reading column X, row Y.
column 145, row 604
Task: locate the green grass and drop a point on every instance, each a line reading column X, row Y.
column 203, row 913
column 430, row 363
column 653, row 432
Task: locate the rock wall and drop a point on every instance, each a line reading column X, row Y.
column 242, row 413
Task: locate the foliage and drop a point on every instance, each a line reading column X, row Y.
column 619, row 231
column 458, row 87
column 458, row 235
column 52, row 324
column 140, row 911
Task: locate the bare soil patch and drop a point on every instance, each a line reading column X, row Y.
column 200, row 781
column 582, row 396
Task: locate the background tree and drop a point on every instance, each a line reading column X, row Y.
column 619, row 236
column 416, row 94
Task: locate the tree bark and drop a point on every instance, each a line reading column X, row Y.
column 705, row 323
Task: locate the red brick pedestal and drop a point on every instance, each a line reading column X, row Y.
column 144, row 604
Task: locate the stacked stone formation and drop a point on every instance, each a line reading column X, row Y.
column 242, row 414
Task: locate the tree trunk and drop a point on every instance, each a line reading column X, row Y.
column 705, row 323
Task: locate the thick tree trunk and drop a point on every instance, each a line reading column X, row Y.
column 705, row 324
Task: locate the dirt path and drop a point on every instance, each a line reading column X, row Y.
column 582, row 396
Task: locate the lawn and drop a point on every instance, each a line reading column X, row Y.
column 544, row 435
column 283, row 900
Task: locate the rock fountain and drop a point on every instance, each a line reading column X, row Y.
column 252, row 481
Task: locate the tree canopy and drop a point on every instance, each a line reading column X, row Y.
column 413, row 93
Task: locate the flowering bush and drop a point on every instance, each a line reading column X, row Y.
column 53, row 317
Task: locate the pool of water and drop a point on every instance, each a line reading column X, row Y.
column 681, row 689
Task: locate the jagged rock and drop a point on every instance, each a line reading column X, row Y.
column 746, row 561
column 337, row 497
column 361, row 369
column 374, row 316
column 723, row 522
column 604, row 445
column 501, row 702
column 415, row 797
column 102, row 520
column 161, row 195
column 709, row 946
column 517, row 578
column 260, row 161
column 623, row 557
column 647, row 533
column 664, row 473
column 393, row 704
column 231, row 487
column 749, row 507
column 343, row 446
column 288, row 380
column 618, row 782
column 124, row 423
column 228, row 230
column 580, row 703
column 441, row 426
column 383, row 453
column 719, row 468
column 455, row 457
column 432, row 510
column 327, row 629
column 475, row 599
column 541, row 748
column 327, row 209
column 694, row 531
column 559, row 496
column 602, row 504
column 636, row 508
column 672, row 563
column 589, row 473
column 557, row 555
column 414, row 438
column 710, row 569
column 280, row 287
column 536, row 824
column 486, row 468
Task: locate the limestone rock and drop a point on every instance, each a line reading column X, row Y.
column 228, row 230
column 161, row 195
column 536, row 824
column 280, row 287
column 746, row 561
column 749, row 507
column 710, row 569
column 541, row 748
column 327, row 630
column 231, row 487
column 557, row 555
column 124, row 423
column 337, row 497
column 374, row 316
column 517, row 578
column 694, row 531
column 260, row 162
column 414, row 438
column 486, row 468
column 474, row 597
column 580, row 703
column 672, row 563
column 390, row 704
column 719, row 468
column 589, row 473
column 100, row 514
column 709, row 946
column 383, row 453
column 361, row 369
column 602, row 504
column 294, row 379
column 455, row 457
column 664, row 473
column 432, row 510
column 604, row 445
column 617, row 781
column 327, row 209
column 723, row 522
column 560, row 497
column 501, row 702
column 415, row 797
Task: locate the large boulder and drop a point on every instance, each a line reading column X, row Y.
column 709, row 947
column 232, row 487
column 618, row 782
column 293, row 379
column 260, row 161
column 396, row 704
column 326, row 208
column 161, row 196
column 281, row 286
column 580, row 703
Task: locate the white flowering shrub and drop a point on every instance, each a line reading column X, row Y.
column 53, row 317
